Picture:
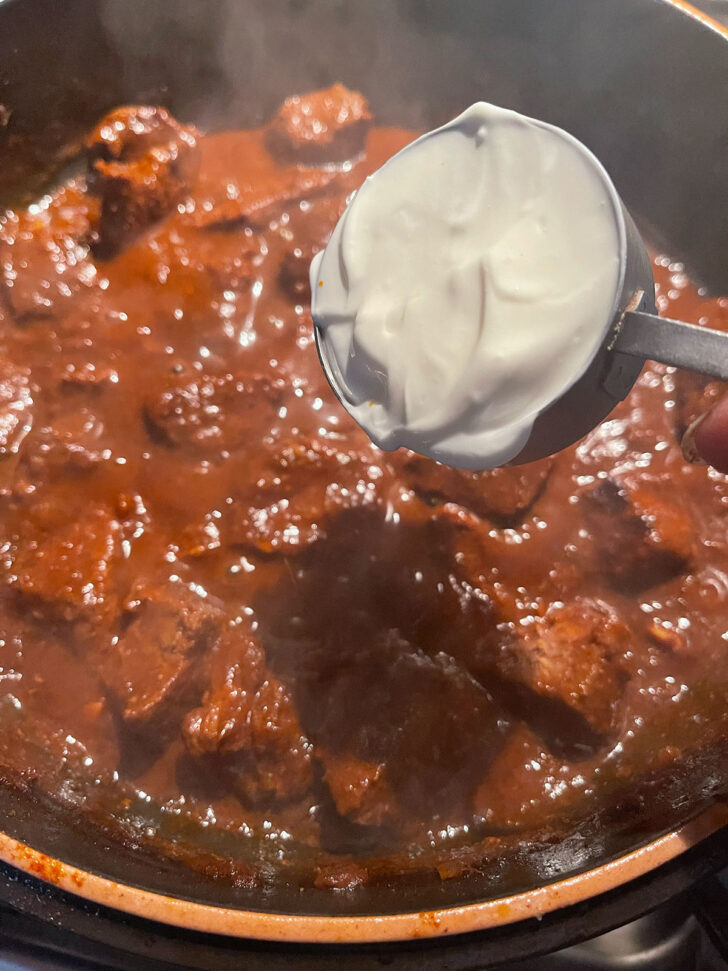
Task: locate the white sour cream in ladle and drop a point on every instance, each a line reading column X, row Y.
column 469, row 284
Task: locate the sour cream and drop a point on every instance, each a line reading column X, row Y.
column 468, row 285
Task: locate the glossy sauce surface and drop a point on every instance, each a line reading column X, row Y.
column 225, row 614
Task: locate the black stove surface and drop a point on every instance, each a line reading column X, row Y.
column 669, row 939
column 42, row 928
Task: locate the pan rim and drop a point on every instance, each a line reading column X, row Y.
column 363, row 929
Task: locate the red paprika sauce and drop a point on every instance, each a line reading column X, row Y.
column 225, row 611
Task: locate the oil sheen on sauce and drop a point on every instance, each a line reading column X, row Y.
column 241, row 634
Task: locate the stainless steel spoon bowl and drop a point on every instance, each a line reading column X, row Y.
column 634, row 335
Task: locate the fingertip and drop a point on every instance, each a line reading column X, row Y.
column 708, row 437
column 688, row 446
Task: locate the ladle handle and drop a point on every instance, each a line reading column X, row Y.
column 673, row 342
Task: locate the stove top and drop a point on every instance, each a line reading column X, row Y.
column 669, row 939
column 47, row 929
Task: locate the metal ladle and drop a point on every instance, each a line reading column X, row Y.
column 636, row 335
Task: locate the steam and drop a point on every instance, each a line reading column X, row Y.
column 231, row 63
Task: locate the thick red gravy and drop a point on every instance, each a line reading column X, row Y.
column 225, row 612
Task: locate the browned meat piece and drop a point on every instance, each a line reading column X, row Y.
column 16, row 407
column 397, row 707
column 504, row 495
column 237, row 185
column 293, row 277
column 302, row 486
column 340, row 876
column 433, row 717
column 311, row 230
column 399, row 733
column 214, row 413
column 522, row 778
column 248, row 717
column 281, row 754
column 527, row 668
column 189, row 271
column 203, row 537
column 72, row 443
column 222, row 261
column 359, row 789
column 142, row 164
column 132, row 133
column 87, row 376
column 255, row 206
column 324, row 126
column 152, row 668
column 67, row 570
column 222, row 725
column 44, row 256
column 573, row 658
column 640, row 536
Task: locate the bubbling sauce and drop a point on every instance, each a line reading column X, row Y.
column 225, row 612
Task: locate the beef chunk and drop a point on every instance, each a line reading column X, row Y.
column 359, row 788
column 435, row 730
column 248, row 718
column 256, row 206
column 293, row 276
column 142, row 164
column 640, row 536
column 238, row 187
column 324, row 126
column 67, row 570
column 152, row 668
column 302, row 486
column 16, row 404
column 44, row 256
column 87, row 376
column 341, row 875
column 405, row 730
column 202, row 537
column 72, row 443
column 223, row 723
column 504, row 495
column 521, row 779
column 573, row 660
column 281, row 753
column 212, row 413
column 192, row 304
column 400, row 733
column 223, row 261
column 311, row 229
